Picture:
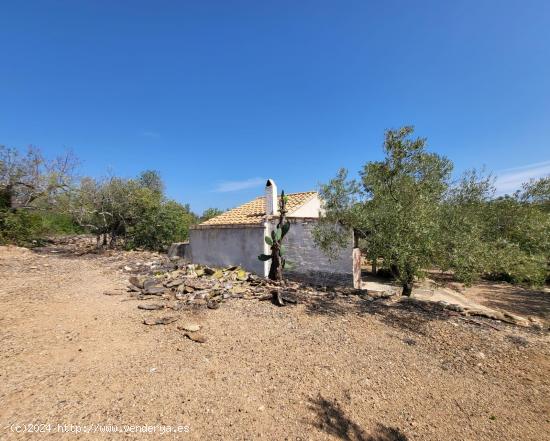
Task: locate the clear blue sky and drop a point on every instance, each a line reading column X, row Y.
column 219, row 95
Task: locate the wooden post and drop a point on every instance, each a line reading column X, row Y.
column 357, row 268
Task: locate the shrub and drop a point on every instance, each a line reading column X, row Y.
column 19, row 227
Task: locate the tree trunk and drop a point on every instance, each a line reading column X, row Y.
column 112, row 243
column 6, row 197
column 407, row 289
column 276, row 269
column 356, row 258
column 394, row 270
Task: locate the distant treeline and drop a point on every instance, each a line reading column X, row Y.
column 40, row 197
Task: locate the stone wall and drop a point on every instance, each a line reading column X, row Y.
column 308, row 262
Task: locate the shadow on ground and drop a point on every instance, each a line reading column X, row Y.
column 412, row 317
column 332, row 420
column 514, row 299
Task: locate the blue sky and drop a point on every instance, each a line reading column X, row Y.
column 220, row 95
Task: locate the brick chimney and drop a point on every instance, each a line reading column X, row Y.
column 271, row 201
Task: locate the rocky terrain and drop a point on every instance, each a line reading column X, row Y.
column 133, row 341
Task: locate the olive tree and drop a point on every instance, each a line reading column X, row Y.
column 394, row 207
column 134, row 212
column 29, row 178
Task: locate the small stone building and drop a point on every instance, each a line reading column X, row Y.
column 236, row 237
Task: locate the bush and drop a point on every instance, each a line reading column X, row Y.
column 133, row 213
column 56, row 223
column 19, row 227
column 22, row 227
column 159, row 223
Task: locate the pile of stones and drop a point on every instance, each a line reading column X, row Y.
column 198, row 286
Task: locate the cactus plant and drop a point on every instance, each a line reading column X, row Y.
column 275, row 242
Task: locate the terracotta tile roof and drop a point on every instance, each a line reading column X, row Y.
column 253, row 212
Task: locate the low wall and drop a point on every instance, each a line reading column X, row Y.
column 179, row 249
column 222, row 247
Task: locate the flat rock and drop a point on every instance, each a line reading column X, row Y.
column 202, row 295
column 151, row 307
column 197, row 284
column 198, row 338
column 190, row 327
column 159, row 321
column 380, row 294
column 150, row 283
column 154, row 290
column 136, row 281
column 174, row 283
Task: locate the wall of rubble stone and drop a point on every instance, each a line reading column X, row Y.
column 222, row 247
column 309, row 263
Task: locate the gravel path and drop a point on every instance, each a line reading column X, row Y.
column 333, row 367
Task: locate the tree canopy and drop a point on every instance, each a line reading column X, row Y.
column 409, row 214
column 40, row 196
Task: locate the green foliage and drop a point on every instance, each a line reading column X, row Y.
column 285, row 229
column 158, row 223
column 30, row 188
column 28, row 178
column 58, row 223
column 506, row 238
column 38, row 197
column 275, row 243
column 133, row 212
column 209, row 213
column 344, row 211
column 19, row 227
column 405, row 211
column 151, row 180
column 536, row 192
column 394, row 208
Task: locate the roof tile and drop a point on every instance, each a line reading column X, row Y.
column 253, row 212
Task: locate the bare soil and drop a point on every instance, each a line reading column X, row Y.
column 333, row 367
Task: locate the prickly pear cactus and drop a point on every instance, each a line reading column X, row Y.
column 275, row 242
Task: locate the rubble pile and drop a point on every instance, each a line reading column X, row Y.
column 191, row 285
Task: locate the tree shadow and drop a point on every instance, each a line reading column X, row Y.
column 332, row 420
column 328, row 304
column 409, row 316
column 514, row 299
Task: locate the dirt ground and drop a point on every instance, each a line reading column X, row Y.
column 332, row 367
